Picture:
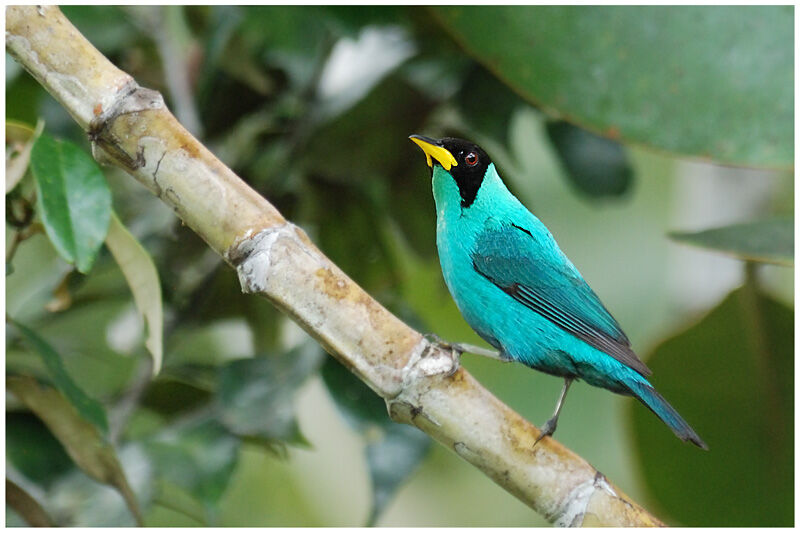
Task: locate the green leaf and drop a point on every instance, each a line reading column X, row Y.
column 198, row 457
column 33, row 450
column 256, row 396
column 731, row 376
column 707, row 81
column 140, row 272
column 89, row 408
column 393, row 450
column 596, row 166
column 73, row 199
column 170, row 397
column 393, row 453
column 81, row 439
column 764, row 241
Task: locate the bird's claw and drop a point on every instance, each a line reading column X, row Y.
column 454, row 349
column 547, row 430
column 456, row 358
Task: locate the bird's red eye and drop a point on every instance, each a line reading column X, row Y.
column 471, row 159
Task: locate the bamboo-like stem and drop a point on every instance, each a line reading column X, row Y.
column 131, row 128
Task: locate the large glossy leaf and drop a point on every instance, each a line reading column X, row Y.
column 142, row 276
column 81, row 439
column 89, row 408
column 731, row 376
column 393, row 450
column 706, row 81
column 765, row 241
column 73, row 198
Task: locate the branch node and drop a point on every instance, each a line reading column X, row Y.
column 131, row 99
column 573, row 509
column 428, row 359
column 251, row 255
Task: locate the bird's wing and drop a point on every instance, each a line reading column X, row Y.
column 534, row 272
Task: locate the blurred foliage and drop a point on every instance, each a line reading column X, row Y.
column 767, row 241
column 392, row 451
column 641, row 74
column 597, row 166
column 88, row 408
column 83, row 441
column 755, row 337
column 312, row 107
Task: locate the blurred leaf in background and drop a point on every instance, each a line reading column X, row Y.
column 597, row 166
column 83, row 441
column 89, row 409
column 140, row 272
column 393, row 450
column 312, row 106
column 196, row 458
column 256, row 396
column 640, row 74
column 731, row 375
column 767, row 241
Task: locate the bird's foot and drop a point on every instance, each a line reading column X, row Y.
column 455, row 351
column 547, row 429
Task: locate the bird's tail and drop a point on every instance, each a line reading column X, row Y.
column 663, row 410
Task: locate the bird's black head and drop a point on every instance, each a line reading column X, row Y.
column 466, row 162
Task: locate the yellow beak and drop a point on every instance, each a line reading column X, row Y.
column 433, row 150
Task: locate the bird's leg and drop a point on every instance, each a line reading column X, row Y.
column 477, row 350
column 549, row 427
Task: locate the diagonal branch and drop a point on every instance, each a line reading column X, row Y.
column 130, row 127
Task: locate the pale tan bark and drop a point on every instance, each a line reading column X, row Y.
column 131, row 128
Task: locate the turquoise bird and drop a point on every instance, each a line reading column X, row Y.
column 519, row 291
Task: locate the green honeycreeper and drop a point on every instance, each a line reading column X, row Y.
column 518, row 290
